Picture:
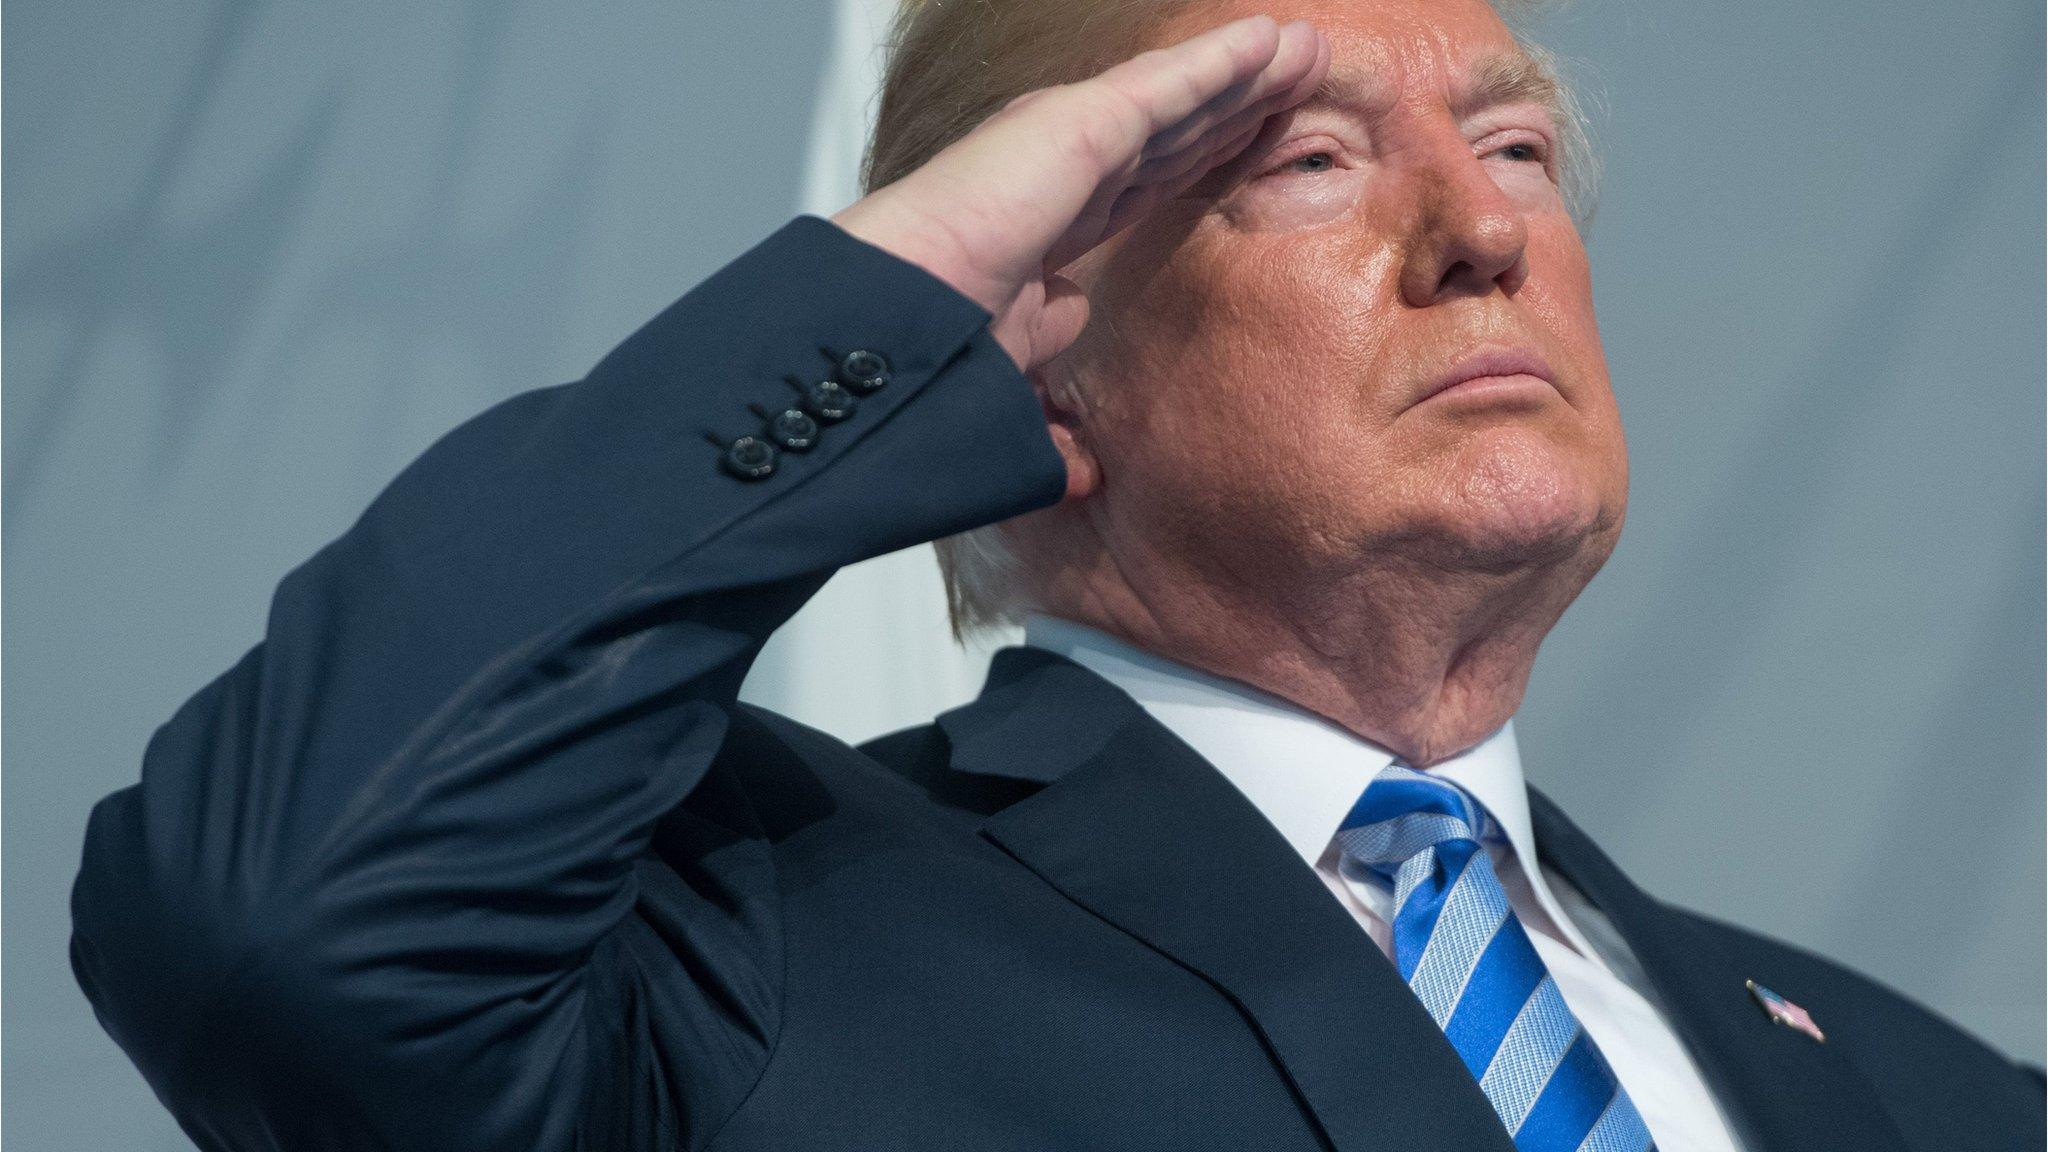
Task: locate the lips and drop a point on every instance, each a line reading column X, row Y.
column 1488, row 363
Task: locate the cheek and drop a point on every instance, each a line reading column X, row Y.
column 1284, row 201
column 1291, row 336
column 1234, row 370
column 1560, row 290
column 1558, row 296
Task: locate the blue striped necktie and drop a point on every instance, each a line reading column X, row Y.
column 1461, row 948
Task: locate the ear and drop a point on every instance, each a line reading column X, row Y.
column 1063, row 423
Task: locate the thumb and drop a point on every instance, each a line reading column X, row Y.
column 1060, row 320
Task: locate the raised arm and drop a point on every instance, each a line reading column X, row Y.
column 380, row 884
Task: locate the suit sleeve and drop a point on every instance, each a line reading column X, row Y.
column 387, row 882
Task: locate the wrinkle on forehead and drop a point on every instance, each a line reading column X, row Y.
column 1505, row 77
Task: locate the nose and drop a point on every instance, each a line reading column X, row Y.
column 1468, row 237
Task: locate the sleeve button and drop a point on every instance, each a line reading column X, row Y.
column 793, row 431
column 828, row 402
column 749, row 458
column 863, row 371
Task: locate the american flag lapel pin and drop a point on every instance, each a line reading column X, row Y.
column 1783, row 1011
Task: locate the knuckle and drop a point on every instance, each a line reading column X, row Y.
column 1121, row 101
column 1075, row 140
column 1090, row 130
column 1115, row 118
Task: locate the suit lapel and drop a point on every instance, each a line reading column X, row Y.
column 1781, row 1088
column 1136, row 827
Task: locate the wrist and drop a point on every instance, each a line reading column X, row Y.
column 908, row 236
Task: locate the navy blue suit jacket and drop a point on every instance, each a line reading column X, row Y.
column 477, row 850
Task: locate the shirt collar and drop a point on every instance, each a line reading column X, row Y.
column 1301, row 771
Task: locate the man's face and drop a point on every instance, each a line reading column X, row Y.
column 1260, row 352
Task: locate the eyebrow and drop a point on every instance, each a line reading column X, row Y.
column 1502, row 78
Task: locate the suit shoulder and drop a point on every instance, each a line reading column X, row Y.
column 912, row 763
column 1935, row 1076
column 916, row 755
column 916, row 752
column 923, row 756
column 755, row 723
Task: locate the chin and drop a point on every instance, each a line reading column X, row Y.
column 1514, row 499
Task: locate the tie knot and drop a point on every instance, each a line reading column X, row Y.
column 1404, row 812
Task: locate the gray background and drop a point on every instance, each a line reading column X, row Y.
column 258, row 255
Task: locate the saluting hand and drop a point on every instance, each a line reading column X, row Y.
column 1058, row 170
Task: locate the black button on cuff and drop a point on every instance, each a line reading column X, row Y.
column 793, row 431
column 828, row 402
column 749, row 458
column 863, row 371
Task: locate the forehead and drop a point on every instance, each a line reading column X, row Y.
column 1490, row 77
column 1385, row 50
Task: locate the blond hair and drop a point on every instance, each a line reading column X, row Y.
column 954, row 63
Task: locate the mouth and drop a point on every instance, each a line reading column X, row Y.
column 1492, row 373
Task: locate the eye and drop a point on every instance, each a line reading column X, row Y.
column 1522, row 152
column 1308, row 163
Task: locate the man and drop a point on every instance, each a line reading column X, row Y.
column 477, row 849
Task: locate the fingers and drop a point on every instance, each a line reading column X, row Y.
column 1064, row 315
column 1060, row 169
column 1165, row 99
column 1215, row 131
column 1207, row 148
column 1135, row 202
column 1165, row 86
column 1238, row 134
column 1300, row 54
column 1281, row 84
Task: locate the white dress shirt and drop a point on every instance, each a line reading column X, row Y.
column 1304, row 773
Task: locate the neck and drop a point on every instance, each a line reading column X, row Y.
column 1419, row 659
